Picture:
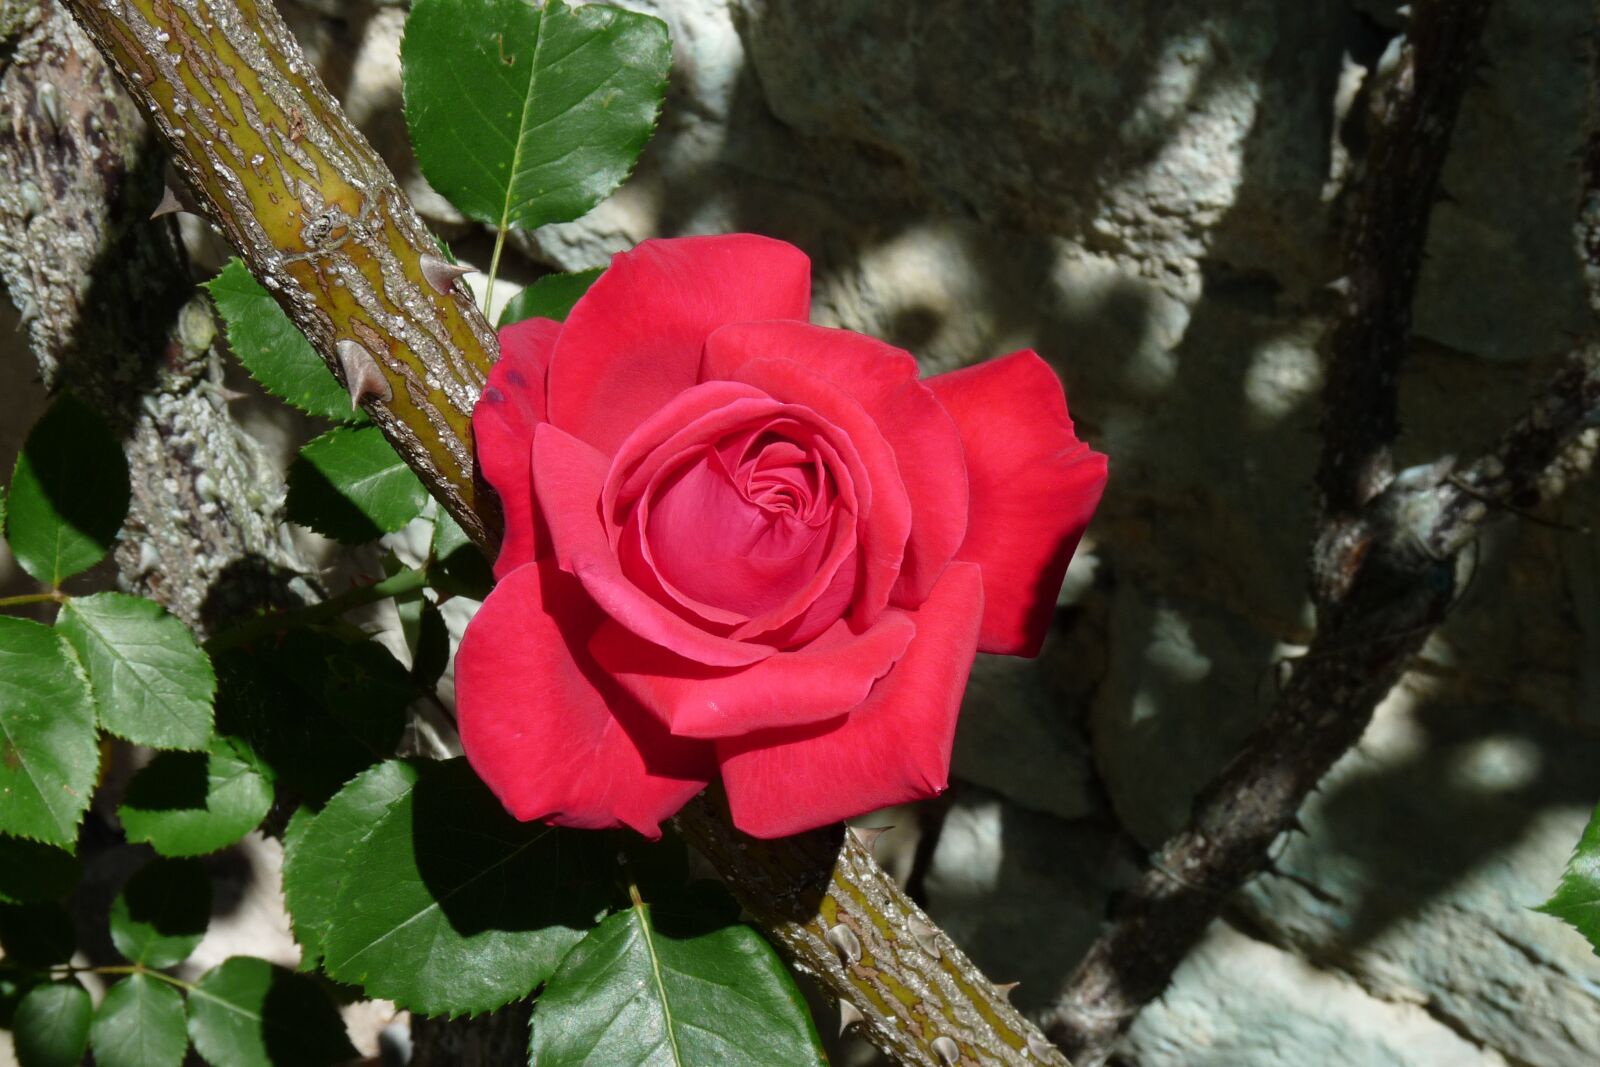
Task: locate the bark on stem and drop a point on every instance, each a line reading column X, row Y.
column 323, row 224
column 316, row 214
column 111, row 313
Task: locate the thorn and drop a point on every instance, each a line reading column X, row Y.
column 169, row 204
column 947, row 1049
column 1039, row 1047
column 922, row 934
column 845, row 940
column 849, row 1015
column 230, row 395
column 868, row 836
column 361, row 374
column 441, row 275
column 1006, row 988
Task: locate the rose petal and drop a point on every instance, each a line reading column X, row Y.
column 568, row 475
column 633, row 341
column 707, row 540
column 892, row 748
column 550, row 734
column 1034, row 487
column 512, row 404
column 832, row 674
column 699, row 416
column 883, row 379
column 884, row 519
column 705, row 415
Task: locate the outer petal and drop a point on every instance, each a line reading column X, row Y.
column 568, row 478
column 550, row 734
column 830, row 675
column 883, row 379
column 894, row 747
column 1034, row 488
column 633, row 341
column 512, row 404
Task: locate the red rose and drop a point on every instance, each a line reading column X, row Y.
column 740, row 544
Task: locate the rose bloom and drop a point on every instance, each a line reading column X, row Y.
column 740, row 545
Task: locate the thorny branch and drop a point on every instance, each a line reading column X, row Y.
column 1384, row 560
column 323, row 224
column 110, row 312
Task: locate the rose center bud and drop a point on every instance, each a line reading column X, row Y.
column 744, row 533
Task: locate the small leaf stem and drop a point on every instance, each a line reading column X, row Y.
column 67, row 970
column 494, row 268
column 397, row 585
column 20, row 600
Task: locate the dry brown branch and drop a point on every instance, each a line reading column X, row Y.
column 1383, row 563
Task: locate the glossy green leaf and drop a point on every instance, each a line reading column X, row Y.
column 317, row 709
column 49, row 757
column 37, row 935
column 450, row 905
column 274, row 350
column 30, row 871
column 550, row 297
column 650, row 989
column 246, row 1012
column 459, row 568
column 1577, row 899
column 192, row 803
column 51, row 1025
column 522, row 116
column 161, row 914
column 350, row 485
column 317, row 854
column 69, row 493
column 140, row 1023
column 152, row 684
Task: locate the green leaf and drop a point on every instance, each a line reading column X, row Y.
column 192, row 803
column 32, row 872
column 152, row 683
column 459, row 568
column 69, row 493
column 430, row 652
column 140, row 1023
column 317, row 856
column 37, row 935
column 1577, row 899
column 274, row 350
column 550, row 297
column 49, row 757
column 349, row 485
column 246, row 1012
column 521, row 117
column 51, row 1026
column 161, row 914
column 643, row 989
column 316, row 709
column 450, row 905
